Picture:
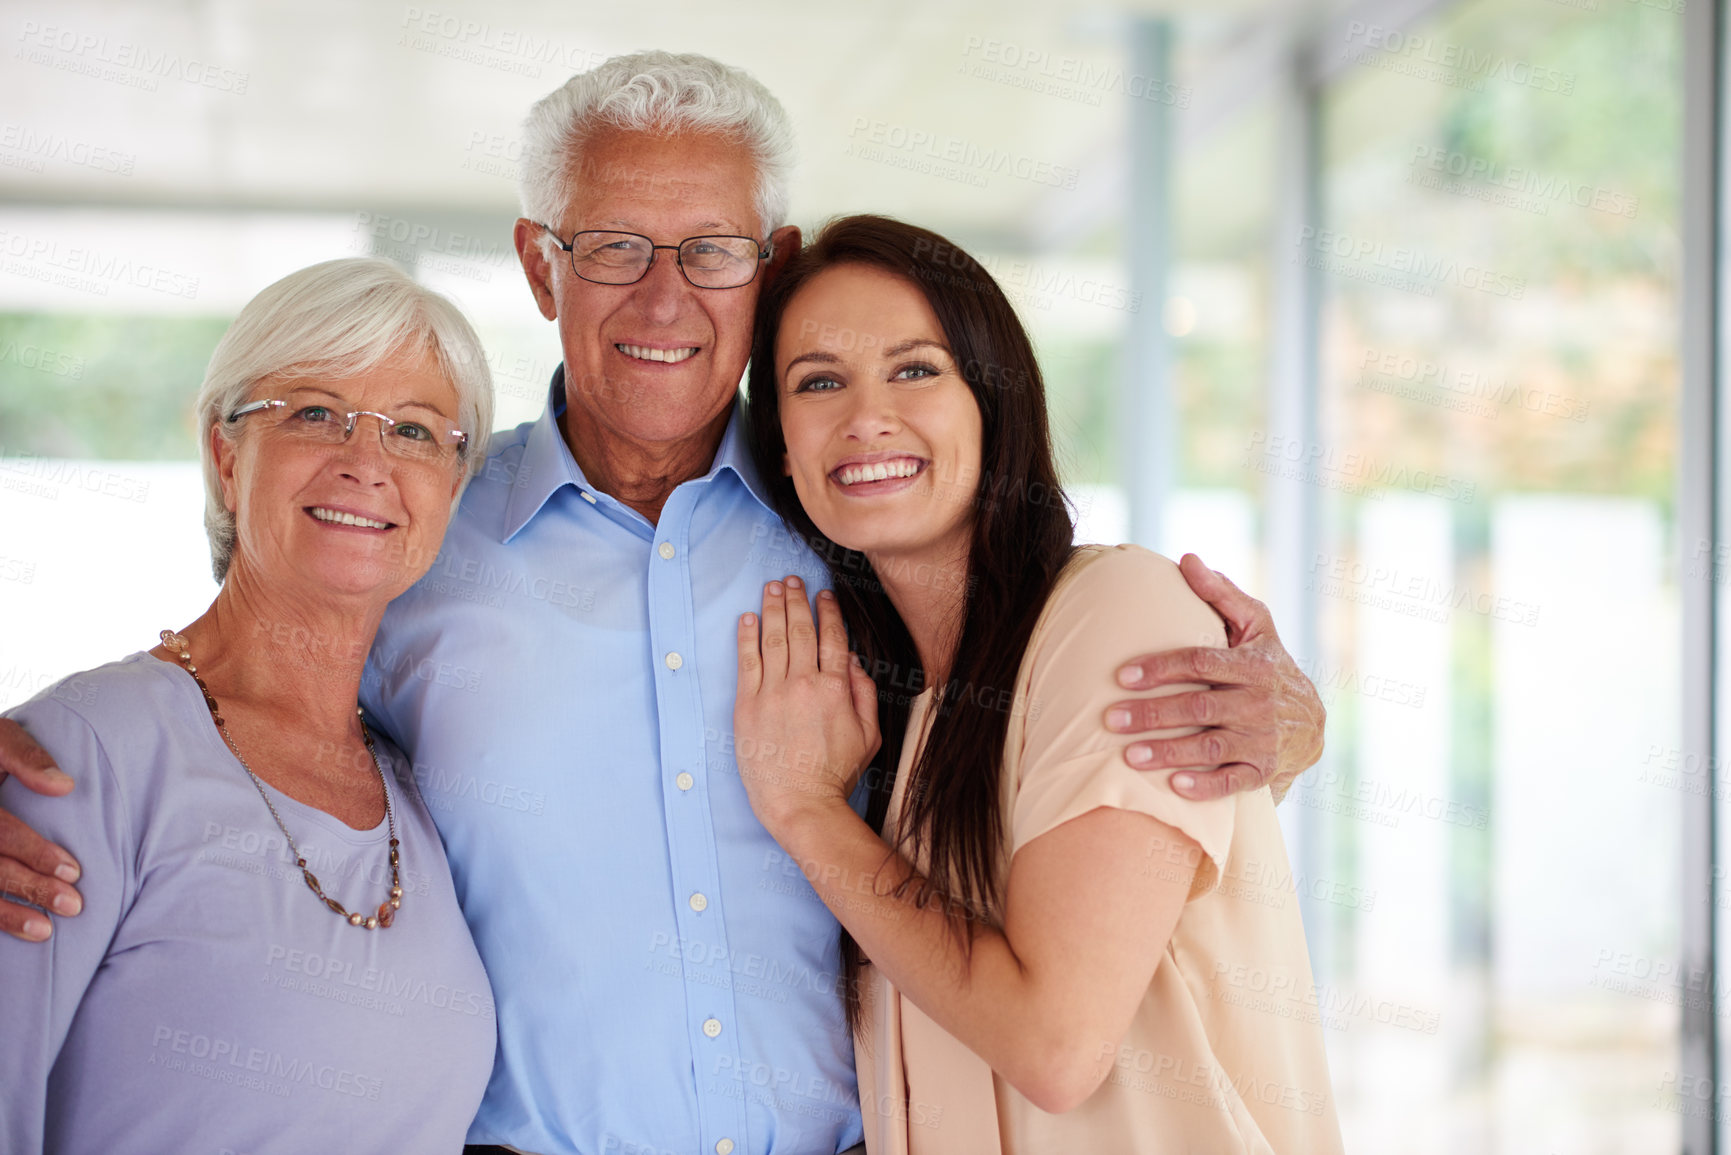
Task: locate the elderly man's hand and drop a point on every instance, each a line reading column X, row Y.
column 1262, row 720
column 31, row 867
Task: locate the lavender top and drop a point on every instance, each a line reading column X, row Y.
column 206, row 1002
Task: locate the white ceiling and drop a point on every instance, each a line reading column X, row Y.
column 319, row 105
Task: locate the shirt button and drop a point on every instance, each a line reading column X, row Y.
column 724, row 1147
column 666, row 550
column 684, row 781
column 699, row 903
column 674, row 661
column 712, row 1027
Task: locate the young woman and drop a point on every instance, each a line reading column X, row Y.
column 1064, row 955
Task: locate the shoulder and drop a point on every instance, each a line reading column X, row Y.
column 108, row 699
column 1098, row 567
column 474, row 534
column 1111, row 605
column 498, row 475
column 1132, row 594
column 501, row 440
column 115, row 729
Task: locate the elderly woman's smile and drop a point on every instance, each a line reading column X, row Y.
column 347, row 517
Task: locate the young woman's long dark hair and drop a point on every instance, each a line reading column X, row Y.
column 952, row 806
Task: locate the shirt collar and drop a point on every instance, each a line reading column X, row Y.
column 547, row 464
column 735, row 454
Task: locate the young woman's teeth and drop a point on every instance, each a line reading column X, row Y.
column 879, row 471
column 337, row 518
column 669, row 356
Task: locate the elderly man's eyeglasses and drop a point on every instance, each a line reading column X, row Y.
column 416, row 441
column 717, row 262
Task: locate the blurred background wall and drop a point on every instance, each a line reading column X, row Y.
column 1376, row 307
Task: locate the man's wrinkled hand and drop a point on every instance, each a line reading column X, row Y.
column 33, row 870
column 1262, row 721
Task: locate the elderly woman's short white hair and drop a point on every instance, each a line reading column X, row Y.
column 334, row 320
column 656, row 92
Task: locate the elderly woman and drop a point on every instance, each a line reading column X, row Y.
column 273, row 958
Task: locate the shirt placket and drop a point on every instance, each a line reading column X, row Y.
column 711, row 1020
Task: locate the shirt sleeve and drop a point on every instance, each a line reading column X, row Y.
column 1120, row 604
column 42, row 984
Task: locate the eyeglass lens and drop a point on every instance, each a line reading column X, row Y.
column 408, row 439
column 713, row 262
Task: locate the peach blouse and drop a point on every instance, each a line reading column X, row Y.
column 1225, row 1053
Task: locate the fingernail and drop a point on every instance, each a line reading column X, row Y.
column 748, row 619
column 56, row 775
column 794, row 582
column 1183, row 781
column 827, row 595
column 1118, row 719
column 775, row 587
column 67, row 872
column 36, row 929
column 1139, row 754
column 1129, row 675
column 66, row 904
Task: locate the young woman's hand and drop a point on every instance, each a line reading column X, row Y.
column 805, row 723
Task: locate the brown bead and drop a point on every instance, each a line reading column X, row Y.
column 336, row 906
column 356, row 919
column 396, row 892
column 312, row 880
column 372, row 922
column 395, row 903
column 387, row 914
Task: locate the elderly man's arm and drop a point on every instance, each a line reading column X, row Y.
column 32, row 869
column 1262, row 719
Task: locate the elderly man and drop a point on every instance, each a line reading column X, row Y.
column 564, row 678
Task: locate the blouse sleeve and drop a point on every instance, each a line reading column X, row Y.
column 41, row 984
column 1120, row 604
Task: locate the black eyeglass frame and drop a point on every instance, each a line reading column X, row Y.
column 763, row 254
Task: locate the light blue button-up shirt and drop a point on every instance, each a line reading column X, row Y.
column 563, row 679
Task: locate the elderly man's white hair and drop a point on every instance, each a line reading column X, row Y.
column 659, row 92
column 335, row 320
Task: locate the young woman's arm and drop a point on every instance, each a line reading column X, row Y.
column 1102, row 867
column 1046, row 1000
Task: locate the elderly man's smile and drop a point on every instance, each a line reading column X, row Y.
column 671, row 355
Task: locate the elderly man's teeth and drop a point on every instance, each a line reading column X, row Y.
column 879, row 471
column 337, row 518
column 644, row 353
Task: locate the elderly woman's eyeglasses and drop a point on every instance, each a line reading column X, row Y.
column 410, row 440
column 717, row 262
